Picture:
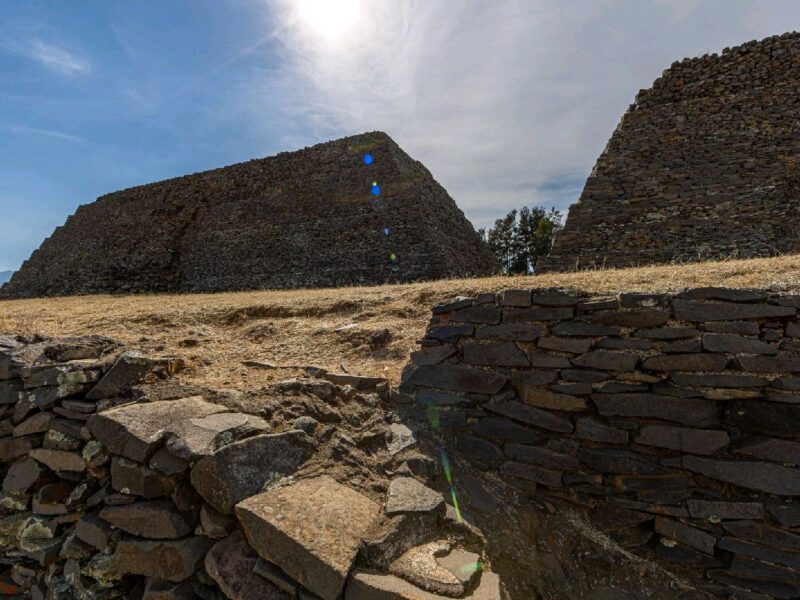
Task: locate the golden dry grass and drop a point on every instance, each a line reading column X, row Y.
column 299, row 327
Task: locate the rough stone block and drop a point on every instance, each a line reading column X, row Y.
column 570, row 345
column 607, row 360
column 542, row 360
column 686, row 362
column 642, row 317
column 688, row 411
column 528, row 414
column 591, row 429
column 409, row 496
column 579, row 329
column 312, row 530
column 231, row 563
column 693, row 441
column 239, row 470
column 515, row 298
column 451, row 333
column 543, row 398
column 136, row 430
column 195, row 438
column 769, row 364
column 156, row 520
column 717, row 380
column 759, row 476
column 776, row 450
column 458, row 378
column 487, row 314
column 736, row 344
column 503, row 354
column 537, row 313
column 172, row 560
column 691, row 310
column 705, row 509
column 517, row 332
column 504, row 430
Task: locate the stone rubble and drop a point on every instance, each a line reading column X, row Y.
column 290, row 492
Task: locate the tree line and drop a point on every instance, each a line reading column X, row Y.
column 522, row 237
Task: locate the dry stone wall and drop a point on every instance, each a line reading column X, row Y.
column 298, row 219
column 673, row 418
column 703, row 165
column 118, row 484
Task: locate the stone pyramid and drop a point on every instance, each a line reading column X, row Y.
column 310, row 218
column 703, row 166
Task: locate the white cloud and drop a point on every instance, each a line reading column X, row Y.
column 29, row 42
column 22, row 129
column 508, row 102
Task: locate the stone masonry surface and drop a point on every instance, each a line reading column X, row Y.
column 702, row 166
column 297, row 219
column 673, row 419
column 120, row 483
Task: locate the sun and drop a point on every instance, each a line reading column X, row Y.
column 329, row 19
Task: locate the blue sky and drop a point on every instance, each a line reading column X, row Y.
column 508, row 102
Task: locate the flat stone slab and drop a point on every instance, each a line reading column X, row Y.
column 173, row 560
column 195, row 438
column 136, row 430
column 59, row 460
column 407, row 495
column 433, row 567
column 240, row 470
column 157, row 519
column 231, row 562
column 312, row 530
column 368, row 586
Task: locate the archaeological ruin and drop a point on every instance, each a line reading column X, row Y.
column 317, row 217
column 703, row 165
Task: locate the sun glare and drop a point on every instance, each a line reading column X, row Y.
column 330, row 19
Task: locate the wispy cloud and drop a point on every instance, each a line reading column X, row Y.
column 55, row 56
column 23, row 130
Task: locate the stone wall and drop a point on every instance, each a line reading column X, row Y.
column 702, row 166
column 117, row 483
column 298, row 219
column 674, row 419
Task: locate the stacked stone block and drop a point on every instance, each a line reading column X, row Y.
column 702, row 166
column 673, row 418
column 111, row 491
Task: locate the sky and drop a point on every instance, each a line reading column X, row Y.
column 507, row 102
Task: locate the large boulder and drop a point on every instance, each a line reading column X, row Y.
column 312, row 530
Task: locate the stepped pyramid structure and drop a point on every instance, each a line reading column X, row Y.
column 704, row 165
column 298, row 219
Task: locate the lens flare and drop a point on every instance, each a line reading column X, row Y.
column 385, row 231
column 368, row 160
column 376, row 189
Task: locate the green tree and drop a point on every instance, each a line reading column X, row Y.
column 522, row 237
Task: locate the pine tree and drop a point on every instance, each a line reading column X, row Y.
column 521, row 238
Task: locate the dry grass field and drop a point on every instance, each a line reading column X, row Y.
column 368, row 330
